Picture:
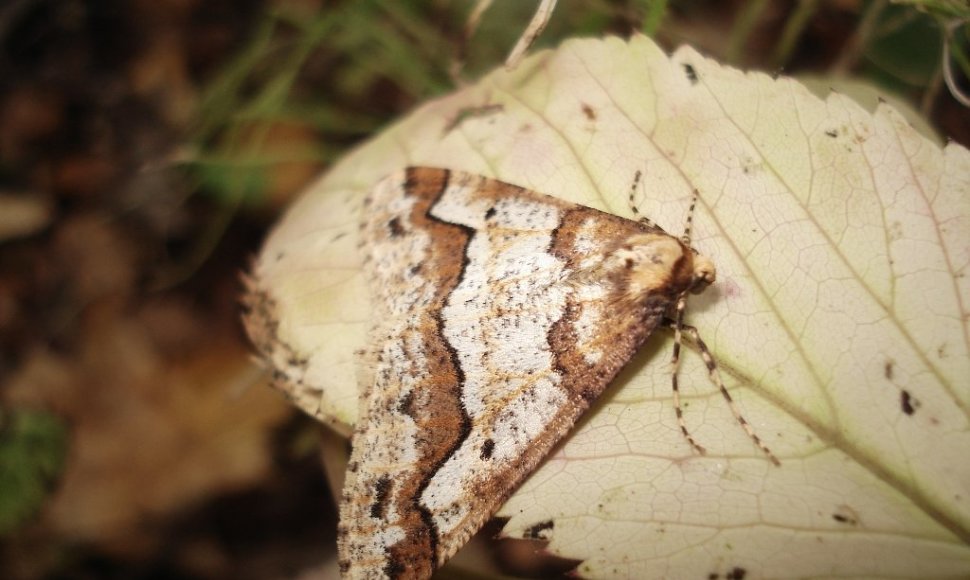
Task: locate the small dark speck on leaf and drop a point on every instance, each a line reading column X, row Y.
column 536, row 532
column 908, row 402
column 691, row 73
column 846, row 515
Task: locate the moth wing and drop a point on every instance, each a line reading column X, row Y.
column 492, row 334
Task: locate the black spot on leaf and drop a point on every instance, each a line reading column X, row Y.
column 691, row 73
column 908, row 402
column 536, row 532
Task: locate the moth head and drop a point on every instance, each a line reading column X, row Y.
column 657, row 262
column 704, row 273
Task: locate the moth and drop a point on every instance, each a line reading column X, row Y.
column 500, row 314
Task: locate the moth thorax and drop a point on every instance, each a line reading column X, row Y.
column 661, row 263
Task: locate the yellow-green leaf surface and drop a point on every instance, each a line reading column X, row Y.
column 840, row 315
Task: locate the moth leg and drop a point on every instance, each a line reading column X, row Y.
column 715, row 377
column 677, row 325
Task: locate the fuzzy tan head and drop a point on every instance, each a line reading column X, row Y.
column 704, row 273
column 657, row 262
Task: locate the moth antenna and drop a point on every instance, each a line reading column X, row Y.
column 633, row 206
column 715, row 377
column 690, row 219
column 675, row 367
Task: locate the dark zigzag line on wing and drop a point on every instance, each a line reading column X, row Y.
column 466, row 423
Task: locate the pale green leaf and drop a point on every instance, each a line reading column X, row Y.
column 840, row 315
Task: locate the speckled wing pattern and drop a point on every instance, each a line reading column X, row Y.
column 499, row 315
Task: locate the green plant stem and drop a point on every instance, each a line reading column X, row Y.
column 859, row 40
column 656, row 11
column 794, row 27
column 741, row 31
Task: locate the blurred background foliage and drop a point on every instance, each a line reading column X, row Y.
column 32, row 445
column 343, row 73
column 145, row 148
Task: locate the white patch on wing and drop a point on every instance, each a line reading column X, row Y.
column 498, row 321
column 587, row 245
